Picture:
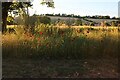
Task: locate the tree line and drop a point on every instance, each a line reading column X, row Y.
column 78, row 16
column 10, row 6
column 38, row 19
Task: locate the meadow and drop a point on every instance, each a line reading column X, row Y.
column 54, row 42
column 70, row 50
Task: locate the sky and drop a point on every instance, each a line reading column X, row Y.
column 78, row 7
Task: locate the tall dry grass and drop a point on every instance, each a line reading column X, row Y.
column 49, row 42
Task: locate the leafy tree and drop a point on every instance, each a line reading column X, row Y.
column 10, row 20
column 63, row 15
column 38, row 19
column 9, row 6
column 113, row 18
column 106, row 17
column 45, row 20
column 32, row 20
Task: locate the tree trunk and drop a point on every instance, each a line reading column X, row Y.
column 5, row 8
column 4, row 19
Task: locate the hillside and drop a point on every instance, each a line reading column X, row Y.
column 100, row 20
column 54, row 18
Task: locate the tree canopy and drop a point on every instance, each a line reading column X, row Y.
column 10, row 6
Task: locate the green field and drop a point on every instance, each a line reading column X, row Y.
column 61, row 52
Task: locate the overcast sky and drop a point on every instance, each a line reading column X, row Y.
column 78, row 7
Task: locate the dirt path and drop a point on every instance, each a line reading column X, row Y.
column 25, row 68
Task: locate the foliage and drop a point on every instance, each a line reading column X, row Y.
column 78, row 22
column 49, row 4
column 9, row 6
column 114, row 23
column 78, row 16
column 45, row 20
column 36, row 19
column 50, row 42
column 10, row 20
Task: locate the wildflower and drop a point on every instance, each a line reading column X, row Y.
column 87, row 31
column 38, row 39
column 61, row 32
column 41, row 33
